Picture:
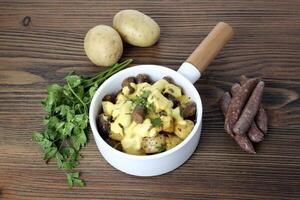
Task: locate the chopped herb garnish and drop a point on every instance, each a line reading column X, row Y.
column 142, row 99
column 145, row 94
column 156, row 121
column 150, row 107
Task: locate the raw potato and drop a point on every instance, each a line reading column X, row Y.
column 136, row 28
column 103, row 45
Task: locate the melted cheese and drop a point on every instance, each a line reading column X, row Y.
column 134, row 134
column 160, row 85
column 178, row 118
column 184, row 99
column 161, row 103
column 173, row 90
column 138, row 89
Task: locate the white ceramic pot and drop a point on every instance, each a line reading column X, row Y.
column 187, row 74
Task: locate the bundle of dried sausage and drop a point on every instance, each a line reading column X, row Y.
column 245, row 118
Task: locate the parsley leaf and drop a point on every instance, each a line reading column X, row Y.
column 54, row 97
column 49, row 153
column 38, row 137
column 73, row 179
column 66, row 122
column 145, row 94
column 73, row 80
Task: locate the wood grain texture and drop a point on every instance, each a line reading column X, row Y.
column 42, row 41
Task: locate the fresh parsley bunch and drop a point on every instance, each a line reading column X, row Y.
column 66, row 122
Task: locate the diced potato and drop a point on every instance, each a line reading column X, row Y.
column 115, row 136
column 182, row 131
column 134, row 151
column 120, row 98
column 184, row 99
column 143, row 128
column 167, row 124
column 125, row 120
column 154, row 144
column 126, row 90
column 154, row 131
column 177, row 116
column 122, row 109
column 132, row 145
column 116, row 131
column 172, row 141
column 108, row 107
column 139, row 152
column 115, row 113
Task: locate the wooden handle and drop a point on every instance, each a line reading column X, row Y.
column 210, row 46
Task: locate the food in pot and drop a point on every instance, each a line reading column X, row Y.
column 146, row 118
column 136, row 28
column 247, row 121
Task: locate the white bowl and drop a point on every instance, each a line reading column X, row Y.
column 157, row 164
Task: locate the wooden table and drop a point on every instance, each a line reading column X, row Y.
column 42, row 41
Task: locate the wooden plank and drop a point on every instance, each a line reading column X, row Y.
column 50, row 45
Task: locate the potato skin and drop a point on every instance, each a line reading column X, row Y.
column 103, row 45
column 172, row 141
column 154, row 144
column 136, row 28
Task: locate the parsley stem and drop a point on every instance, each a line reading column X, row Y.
column 77, row 97
column 101, row 77
column 60, row 145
